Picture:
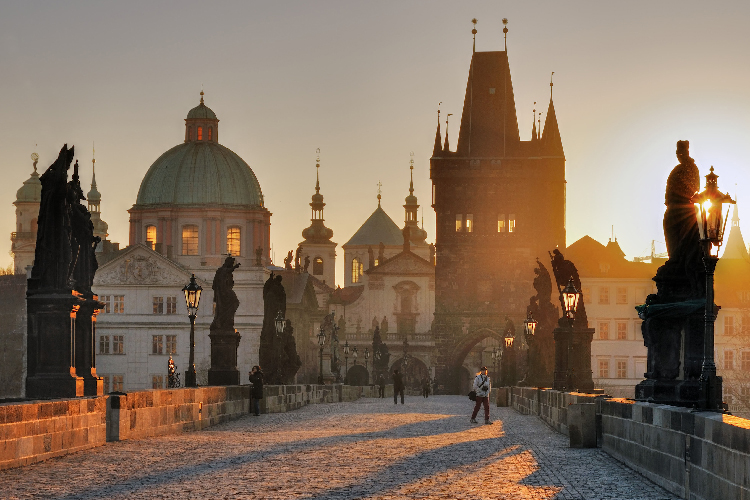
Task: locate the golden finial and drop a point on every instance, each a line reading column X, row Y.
column 380, row 185
column 505, row 32
column 201, row 93
column 474, row 33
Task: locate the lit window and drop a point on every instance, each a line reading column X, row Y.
column 233, row 240
column 603, row 368
column 200, row 133
column 171, row 305
column 158, row 305
column 728, row 325
column 604, row 295
column 745, row 360
column 171, row 344
column 622, row 369
column 357, row 270
column 157, row 381
column 728, row 360
column 501, row 223
column 469, row 223
column 603, row 331
column 622, row 295
column 151, row 236
column 318, row 266
column 210, row 133
column 190, row 240
column 377, row 262
column 512, row 223
column 117, row 382
column 118, row 304
column 459, row 223
column 103, row 344
column 157, row 344
column 622, row 330
column 118, row 346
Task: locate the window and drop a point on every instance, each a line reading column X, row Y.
column 501, row 223
column 469, row 223
column 728, row 399
column 728, row 360
column 118, row 304
column 233, row 241
column 118, row 344
column 357, row 270
column 157, row 381
column 604, row 295
column 151, row 236
column 105, row 383
column 117, row 382
column 107, row 299
column 640, row 295
column 459, row 223
column 622, row 330
column 377, row 262
column 210, row 133
column 103, row 344
column 158, row 305
column 745, row 360
column 585, row 292
column 622, row 368
column 728, row 325
column 603, row 368
column 190, row 240
column 171, row 305
column 318, row 266
column 512, row 223
column 603, row 331
column 171, row 344
column 200, row 133
column 622, row 295
column 157, row 344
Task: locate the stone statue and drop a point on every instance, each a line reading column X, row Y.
column 83, row 243
column 259, row 256
column 298, row 260
column 564, row 270
column 224, row 296
column 370, row 257
column 542, row 345
column 271, row 352
column 307, row 263
column 52, row 256
column 384, row 325
column 381, row 253
column 342, row 325
column 291, row 361
column 288, row 260
column 380, row 366
column 374, row 324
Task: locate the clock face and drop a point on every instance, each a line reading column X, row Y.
column 34, row 157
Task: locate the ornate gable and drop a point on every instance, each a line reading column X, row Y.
column 141, row 266
column 404, row 264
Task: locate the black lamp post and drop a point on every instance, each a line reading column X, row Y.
column 367, row 356
column 321, row 343
column 570, row 299
column 346, row 360
column 192, row 293
column 279, row 323
column 529, row 327
column 564, row 362
column 708, row 208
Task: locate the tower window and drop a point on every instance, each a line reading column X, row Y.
column 233, row 240
column 210, row 133
column 189, row 240
column 317, row 266
column 501, row 223
column 459, row 223
column 512, row 223
column 151, row 236
column 469, row 223
column 200, row 133
column 358, row 269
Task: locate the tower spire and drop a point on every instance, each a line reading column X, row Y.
column 437, row 149
column 447, row 146
column 550, row 85
column 505, row 32
column 474, row 33
column 380, row 185
column 533, row 123
column 317, row 171
column 93, row 166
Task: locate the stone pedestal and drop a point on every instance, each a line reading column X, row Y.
column 573, row 358
column 85, row 351
column 224, row 344
column 51, row 345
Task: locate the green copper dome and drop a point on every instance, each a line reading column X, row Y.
column 200, row 173
column 201, row 111
column 31, row 189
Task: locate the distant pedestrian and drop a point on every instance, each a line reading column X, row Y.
column 381, row 386
column 482, row 386
column 398, row 387
column 426, row 387
column 256, row 378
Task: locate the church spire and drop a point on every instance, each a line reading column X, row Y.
column 533, row 124
column 551, row 140
column 447, row 146
column 411, row 209
column 93, row 197
column 437, row 149
column 317, row 232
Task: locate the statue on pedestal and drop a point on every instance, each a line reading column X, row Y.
column 224, row 338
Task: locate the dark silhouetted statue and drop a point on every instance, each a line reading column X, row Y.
column 564, row 270
column 288, row 260
column 225, row 296
column 541, row 361
column 291, row 362
column 380, row 366
column 279, row 365
column 224, row 338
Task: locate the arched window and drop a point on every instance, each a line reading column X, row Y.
column 189, row 240
column 210, row 133
column 317, row 266
column 233, row 238
column 151, row 236
column 200, row 133
column 357, row 270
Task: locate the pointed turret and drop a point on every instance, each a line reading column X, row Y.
column 551, row 140
column 94, row 199
column 437, row 149
column 318, row 253
column 447, row 146
column 735, row 248
column 416, row 234
column 317, row 232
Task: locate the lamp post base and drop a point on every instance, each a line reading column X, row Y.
column 190, row 378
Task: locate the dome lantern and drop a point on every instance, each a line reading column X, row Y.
column 201, row 124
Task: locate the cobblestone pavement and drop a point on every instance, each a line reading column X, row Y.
column 425, row 449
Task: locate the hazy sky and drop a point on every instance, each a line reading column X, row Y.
column 361, row 81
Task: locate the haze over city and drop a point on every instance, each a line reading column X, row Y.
column 362, row 82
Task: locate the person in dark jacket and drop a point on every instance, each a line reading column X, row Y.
column 381, row 386
column 256, row 379
column 398, row 387
column 425, row 387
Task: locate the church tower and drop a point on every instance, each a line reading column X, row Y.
column 317, row 245
column 499, row 203
column 23, row 239
column 94, row 199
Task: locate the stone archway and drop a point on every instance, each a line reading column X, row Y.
column 413, row 373
column 358, row 375
column 457, row 372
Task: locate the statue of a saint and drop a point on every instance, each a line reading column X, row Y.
column 224, row 296
column 288, row 260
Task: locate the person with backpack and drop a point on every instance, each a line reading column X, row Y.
column 482, row 387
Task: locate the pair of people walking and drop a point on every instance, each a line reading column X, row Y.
column 482, row 387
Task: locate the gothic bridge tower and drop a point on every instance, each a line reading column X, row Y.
column 499, row 203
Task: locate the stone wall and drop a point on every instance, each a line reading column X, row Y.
column 37, row 430
column 697, row 455
column 12, row 336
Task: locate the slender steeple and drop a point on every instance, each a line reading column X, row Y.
column 437, row 149
column 533, row 124
column 94, row 200
column 380, row 185
column 446, row 146
column 551, row 140
column 317, row 232
column 411, row 208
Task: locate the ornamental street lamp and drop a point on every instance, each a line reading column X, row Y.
column 279, row 323
column 321, row 343
column 192, row 293
column 510, row 358
column 346, row 358
column 570, row 299
column 367, row 356
column 708, row 210
column 529, row 327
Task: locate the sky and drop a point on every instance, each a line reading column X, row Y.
column 362, row 82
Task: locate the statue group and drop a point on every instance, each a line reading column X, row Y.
column 541, row 364
column 225, row 340
column 278, row 352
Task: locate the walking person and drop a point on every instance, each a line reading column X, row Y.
column 425, row 387
column 381, row 386
column 256, row 393
column 398, row 387
column 482, row 386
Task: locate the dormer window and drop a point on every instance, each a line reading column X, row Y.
column 200, row 133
